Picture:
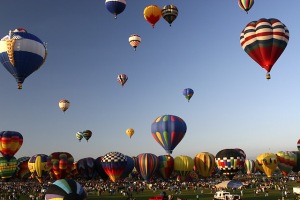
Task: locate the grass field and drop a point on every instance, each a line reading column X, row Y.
column 190, row 194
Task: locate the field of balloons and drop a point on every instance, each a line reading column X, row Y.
column 23, row 53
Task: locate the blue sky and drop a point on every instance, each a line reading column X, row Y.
column 234, row 106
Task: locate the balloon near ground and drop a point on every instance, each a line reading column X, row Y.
column 264, row 41
column 65, row 189
column 22, row 171
column 62, row 164
column 114, row 164
column 7, row 167
column 168, row 131
column 267, row 163
column 165, row 166
column 183, row 165
column 10, row 143
column 22, row 53
column 229, row 162
column 148, row 164
column 205, row 164
column 39, row 165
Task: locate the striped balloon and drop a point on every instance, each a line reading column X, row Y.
column 298, row 145
column 183, row 165
column 10, row 143
column 134, row 40
column 246, row 5
column 166, row 166
column 264, row 41
column 148, row 164
column 22, row 53
column 168, row 131
column 204, row 163
column 7, row 167
column 169, row 13
column 122, row 79
column 249, row 166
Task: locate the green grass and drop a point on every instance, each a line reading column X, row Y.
column 190, row 194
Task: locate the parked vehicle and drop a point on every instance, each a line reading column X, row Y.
column 224, row 195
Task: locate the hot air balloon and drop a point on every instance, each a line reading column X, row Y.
column 168, row 131
column 152, row 14
column 134, row 40
column 100, row 169
column 249, row 166
column 246, row 5
column 64, row 105
column 87, row 134
column 165, row 166
column 114, row 164
column 10, row 143
column 22, row 171
column 183, row 165
column 267, row 162
column 7, row 167
column 130, row 132
column 205, row 164
column 264, row 41
column 65, row 189
column 287, row 160
column 122, row 78
column 79, row 136
column 62, row 164
column 86, row 168
column 21, row 54
column 129, row 167
column 115, row 6
column 148, row 164
column 39, row 165
column 298, row 145
column 169, row 13
column 229, row 162
column 188, row 93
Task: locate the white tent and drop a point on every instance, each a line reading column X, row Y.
column 230, row 184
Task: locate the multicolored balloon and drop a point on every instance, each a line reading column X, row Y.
column 148, row 164
column 86, row 168
column 130, row 132
column 152, row 14
column 246, row 5
column 168, row 131
column 166, row 166
column 114, row 164
column 287, row 160
column 100, row 169
column 134, row 40
column 115, row 7
column 7, row 167
column 267, row 162
column 65, row 189
column 264, row 41
column 249, row 166
column 64, row 105
column 205, row 164
column 22, row 171
column 10, row 143
column 298, row 145
column 169, row 13
column 129, row 167
column 79, row 136
column 39, row 165
column 229, row 162
column 22, row 53
column 62, row 164
column 188, row 93
column 122, row 79
column 183, row 165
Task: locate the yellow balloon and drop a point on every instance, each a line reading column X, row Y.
column 152, row 14
column 267, row 162
column 183, row 165
column 130, row 132
column 205, row 163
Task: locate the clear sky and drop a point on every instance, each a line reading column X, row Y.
column 234, row 106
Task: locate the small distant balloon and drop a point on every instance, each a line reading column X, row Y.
column 115, row 7
column 152, row 14
column 79, row 135
column 134, row 40
column 87, row 134
column 130, row 132
column 188, row 93
column 64, row 105
column 169, row 13
column 122, row 79
column 246, row 5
